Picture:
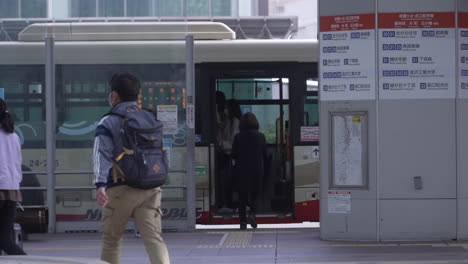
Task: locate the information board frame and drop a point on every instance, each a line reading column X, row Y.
column 357, row 117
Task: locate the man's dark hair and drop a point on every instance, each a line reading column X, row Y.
column 6, row 121
column 249, row 122
column 126, row 85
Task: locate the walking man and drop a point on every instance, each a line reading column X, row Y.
column 119, row 200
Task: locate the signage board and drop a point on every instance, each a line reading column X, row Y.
column 463, row 55
column 168, row 115
column 339, row 202
column 347, row 57
column 416, row 55
column 310, row 133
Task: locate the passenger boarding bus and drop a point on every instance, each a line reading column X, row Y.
column 275, row 79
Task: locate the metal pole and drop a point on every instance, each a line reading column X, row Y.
column 182, row 8
column 377, row 123
column 50, row 9
column 210, row 8
column 50, row 128
column 457, row 128
column 190, row 120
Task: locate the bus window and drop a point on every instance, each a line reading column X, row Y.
column 311, row 115
column 311, row 111
column 253, row 89
column 268, row 117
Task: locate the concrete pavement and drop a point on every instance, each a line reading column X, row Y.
column 252, row 246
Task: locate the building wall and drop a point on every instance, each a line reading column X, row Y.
column 126, row 8
column 305, row 10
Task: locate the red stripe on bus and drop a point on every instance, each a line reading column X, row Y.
column 307, row 211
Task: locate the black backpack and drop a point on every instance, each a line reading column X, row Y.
column 142, row 162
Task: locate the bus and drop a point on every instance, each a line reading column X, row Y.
column 275, row 79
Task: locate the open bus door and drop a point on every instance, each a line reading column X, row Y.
column 268, row 99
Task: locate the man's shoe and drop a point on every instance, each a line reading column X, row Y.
column 253, row 221
column 243, row 226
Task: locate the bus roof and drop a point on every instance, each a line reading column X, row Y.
column 148, row 52
column 113, row 31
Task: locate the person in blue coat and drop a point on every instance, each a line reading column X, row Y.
column 248, row 153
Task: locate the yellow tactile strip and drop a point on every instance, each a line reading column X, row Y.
column 238, row 239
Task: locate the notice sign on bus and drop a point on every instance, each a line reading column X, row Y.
column 347, row 57
column 416, row 55
column 168, row 115
column 310, row 133
column 339, row 202
column 463, row 54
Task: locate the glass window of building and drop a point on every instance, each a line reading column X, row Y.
column 221, row 7
column 83, row 8
column 169, row 8
column 197, row 8
column 139, row 8
column 111, row 8
column 8, row 8
column 33, row 8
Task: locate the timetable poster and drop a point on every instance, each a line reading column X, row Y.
column 463, row 54
column 347, row 57
column 416, row 55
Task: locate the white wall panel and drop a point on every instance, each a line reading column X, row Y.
column 418, row 219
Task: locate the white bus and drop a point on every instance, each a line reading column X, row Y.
column 275, row 79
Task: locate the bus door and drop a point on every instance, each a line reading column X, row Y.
column 268, row 99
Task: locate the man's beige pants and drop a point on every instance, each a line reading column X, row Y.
column 143, row 205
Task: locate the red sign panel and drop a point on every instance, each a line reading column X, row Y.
column 347, row 22
column 463, row 20
column 417, row 20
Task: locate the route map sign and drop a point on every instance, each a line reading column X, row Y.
column 416, row 55
column 463, row 54
column 347, row 57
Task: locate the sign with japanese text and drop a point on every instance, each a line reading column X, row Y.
column 416, row 55
column 347, row 57
column 339, row 202
column 167, row 114
column 310, row 133
column 463, row 54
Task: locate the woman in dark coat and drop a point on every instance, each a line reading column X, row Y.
column 248, row 152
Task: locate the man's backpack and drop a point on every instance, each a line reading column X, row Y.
column 142, row 162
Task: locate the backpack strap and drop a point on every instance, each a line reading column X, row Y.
column 115, row 166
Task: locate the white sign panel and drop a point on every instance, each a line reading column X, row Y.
column 348, row 150
column 463, row 54
column 310, row 133
column 416, row 55
column 339, row 202
column 168, row 115
column 190, row 116
column 347, row 57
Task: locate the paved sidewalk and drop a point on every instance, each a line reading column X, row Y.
column 252, row 246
